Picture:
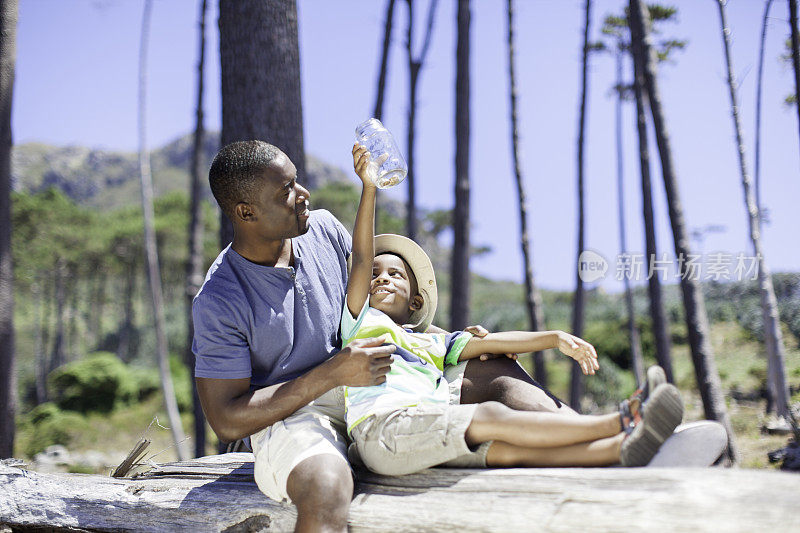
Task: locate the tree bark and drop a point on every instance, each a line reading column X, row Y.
column 757, row 177
column 8, row 383
column 795, row 37
column 194, row 265
column 660, row 322
column 414, row 68
column 218, row 493
column 759, row 86
column 637, row 363
column 58, row 357
column 773, row 338
column 40, row 385
column 533, row 299
column 125, row 335
column 151, row 253
column 705, row 366
column 387, row 41
column 460, row 282
column 576, row 381
column 260, row 68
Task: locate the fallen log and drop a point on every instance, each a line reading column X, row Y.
column 217, row 493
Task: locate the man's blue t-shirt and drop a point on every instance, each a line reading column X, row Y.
column 273, row 324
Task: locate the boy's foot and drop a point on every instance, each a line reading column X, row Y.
column 629, row 408
column 655, row 377
column 651, row 425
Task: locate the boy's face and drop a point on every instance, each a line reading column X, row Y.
column 393, row 289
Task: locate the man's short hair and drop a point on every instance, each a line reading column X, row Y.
column 235, row 172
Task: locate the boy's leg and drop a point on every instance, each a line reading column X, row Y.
column 601, row 452
column 410, row 439
column 503, row 380
column 495, row 421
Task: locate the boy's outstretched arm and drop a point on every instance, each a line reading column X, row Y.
column 363, row 253
column 533, row 341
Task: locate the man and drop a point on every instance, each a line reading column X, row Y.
column 266, row 339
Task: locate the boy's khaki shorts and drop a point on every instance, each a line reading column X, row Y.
column 316, row 429
column 404, row 441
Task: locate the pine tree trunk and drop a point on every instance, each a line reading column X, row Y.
column 657, row 315
column 71, row 339
column 705, row 366
column 576, row 381
column 533, row 299
column 795, row 38
column 40, row 383
column 757, row 177
column 411, row 202
column 58, row 356
column 769, row 305
column 194, row 265
column 125, row 336
column 759, row 86
column 460, row 282
column 414, row 69
column 151, row 253
column 637, row 363
column 260, row 68
column 387, row 41
column 8, row 384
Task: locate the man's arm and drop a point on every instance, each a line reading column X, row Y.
column 533, row 341
column 363, row 234
column 234, row 412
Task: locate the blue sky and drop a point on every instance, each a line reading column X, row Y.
column 77, row 81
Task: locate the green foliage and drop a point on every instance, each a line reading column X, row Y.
column 609, row 384
column 47, row 425
column 101, row 382
column 96, row 383
column 181, row 382
column 339, row 198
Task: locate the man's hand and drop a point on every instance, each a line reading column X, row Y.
column 366, row 169
column 480, row 332
column 580, row 350
column 362, row 363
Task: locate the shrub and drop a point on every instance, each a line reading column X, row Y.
column 46, row 425
column 97, row 383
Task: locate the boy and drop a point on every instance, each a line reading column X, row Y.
column 405, row 423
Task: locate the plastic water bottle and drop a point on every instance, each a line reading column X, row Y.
column 382, row 148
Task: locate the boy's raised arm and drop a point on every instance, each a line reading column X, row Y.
column 363, row 253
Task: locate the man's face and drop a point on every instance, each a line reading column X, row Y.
column 393, row 289
column 281, row 209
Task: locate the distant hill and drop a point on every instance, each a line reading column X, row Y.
column 107, row 179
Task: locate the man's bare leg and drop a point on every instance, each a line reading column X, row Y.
column 602, row 452
column 503, row 380
column 321, row 487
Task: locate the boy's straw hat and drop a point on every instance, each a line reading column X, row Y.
column 422, row 269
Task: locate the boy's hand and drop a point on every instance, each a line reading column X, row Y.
column 366, row 169
column 477, row 330
column 580, row 350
